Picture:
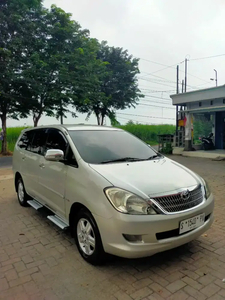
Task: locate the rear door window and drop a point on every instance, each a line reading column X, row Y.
column 38, row 144
column 26, row 140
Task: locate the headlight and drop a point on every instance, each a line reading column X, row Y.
column 128, row 203
column 206, row 188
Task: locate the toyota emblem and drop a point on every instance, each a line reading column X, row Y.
column 185, row 195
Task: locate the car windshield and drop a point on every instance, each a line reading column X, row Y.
column 110, row 146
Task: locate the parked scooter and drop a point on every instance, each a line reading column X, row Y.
column 207, row 142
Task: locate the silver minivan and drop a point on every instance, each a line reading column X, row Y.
column 117, row 194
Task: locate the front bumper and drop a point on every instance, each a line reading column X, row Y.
column 159, row 232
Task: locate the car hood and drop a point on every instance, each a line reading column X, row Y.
column 149, row 178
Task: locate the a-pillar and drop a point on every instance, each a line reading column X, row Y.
column 188, row 139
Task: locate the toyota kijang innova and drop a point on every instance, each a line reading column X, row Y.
column 117, row 194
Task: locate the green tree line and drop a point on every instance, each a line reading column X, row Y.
column 49, row 63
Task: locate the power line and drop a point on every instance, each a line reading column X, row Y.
column 155, row 91
column 163, row 107
column 158, row 97
column 166, row 66
column 149, row 80
column 206, row 57
column 138, row 121
column 158, row 80
column 151, row 117
column 173, row 66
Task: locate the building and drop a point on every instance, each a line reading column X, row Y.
column 208, row 102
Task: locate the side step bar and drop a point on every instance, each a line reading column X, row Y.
column 58, row 221
column 36, row 205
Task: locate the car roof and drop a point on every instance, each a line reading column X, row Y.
column 80, row 127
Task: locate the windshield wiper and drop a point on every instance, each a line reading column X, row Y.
column 154, row 156
column 124, row 159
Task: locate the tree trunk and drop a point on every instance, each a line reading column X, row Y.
column 98, row 119
column 36, row 118
column 4, row 141
column 61, row 119
column 61, row 113
column 102, row 119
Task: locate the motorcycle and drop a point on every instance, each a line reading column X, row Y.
column 207, row 142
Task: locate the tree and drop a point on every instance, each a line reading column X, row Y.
column 116, row 84
column 16, row 17
column 58, row 64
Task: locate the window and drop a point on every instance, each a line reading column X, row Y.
column 211, row 102
column 97, row 146
column 39, row 140
column 26, row 139
column 223, row 101
column 200, row 104
column 70, row 158
column 56, row 140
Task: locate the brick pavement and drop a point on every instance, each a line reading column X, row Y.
column 39, row 261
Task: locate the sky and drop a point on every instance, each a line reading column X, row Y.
column 162, row 33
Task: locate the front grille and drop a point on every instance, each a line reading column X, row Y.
column 176, row 203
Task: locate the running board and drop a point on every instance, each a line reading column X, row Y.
column 58, row 221
column 36, row 205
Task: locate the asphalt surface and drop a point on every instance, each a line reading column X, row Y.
column 6, row 162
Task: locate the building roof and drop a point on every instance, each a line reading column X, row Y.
column 199, row 95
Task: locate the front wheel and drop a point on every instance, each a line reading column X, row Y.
column 88, row 239
column 21, row 193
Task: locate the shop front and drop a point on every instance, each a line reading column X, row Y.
column 206, row 107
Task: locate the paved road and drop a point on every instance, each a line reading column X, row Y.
column 5, row 162
column 39, row 261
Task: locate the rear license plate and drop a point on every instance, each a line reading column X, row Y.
column 192, row 223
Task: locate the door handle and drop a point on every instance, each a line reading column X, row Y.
column 23, row 158
column 42, row 166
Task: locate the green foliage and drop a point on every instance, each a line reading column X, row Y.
column 16, row 23
column 57, row 66
column 148, row 133
column 116, row 85
column 168, row 149
column 49, row 63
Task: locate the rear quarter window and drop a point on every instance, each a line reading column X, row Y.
column 25, row 140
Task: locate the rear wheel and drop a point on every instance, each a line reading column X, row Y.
column 21, row 192
column 87, row 238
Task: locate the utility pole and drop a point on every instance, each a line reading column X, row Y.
column 185, row 80
column 177, row 105
column 177, row 79
column 182, row 85
column 216, row 76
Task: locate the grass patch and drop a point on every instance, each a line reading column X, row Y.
column 12, row 136
column 147, row 133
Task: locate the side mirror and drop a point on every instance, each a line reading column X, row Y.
column 54, row 155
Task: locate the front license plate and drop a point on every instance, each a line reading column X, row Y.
column 192, row 223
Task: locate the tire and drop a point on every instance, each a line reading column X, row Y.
column 21, row 193
column 88, row 239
